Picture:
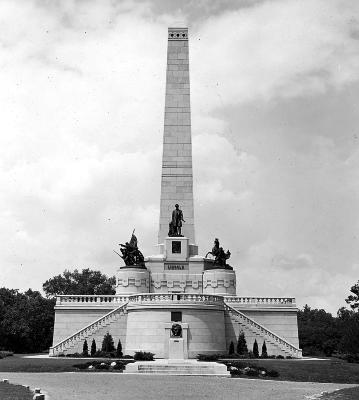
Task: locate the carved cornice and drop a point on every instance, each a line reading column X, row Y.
column 177, row 33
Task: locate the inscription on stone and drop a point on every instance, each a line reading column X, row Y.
column 176, row 267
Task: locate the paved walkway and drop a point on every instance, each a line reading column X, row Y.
column 113, row 386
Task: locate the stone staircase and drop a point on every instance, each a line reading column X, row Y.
column 89, row 330
column 177, row 367
column 285, row 348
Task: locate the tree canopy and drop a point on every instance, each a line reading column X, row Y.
column 26, row 321
column 85, row 282
column 353, row 299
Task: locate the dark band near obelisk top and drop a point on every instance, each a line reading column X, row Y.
column 177, row 177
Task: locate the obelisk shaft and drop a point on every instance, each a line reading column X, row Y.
column 177, row 177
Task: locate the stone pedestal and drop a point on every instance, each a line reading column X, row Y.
column 219, row 281
column 132, row 280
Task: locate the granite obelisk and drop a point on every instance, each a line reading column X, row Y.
column 177, row 177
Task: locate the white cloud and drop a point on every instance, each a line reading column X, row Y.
column 82, row 111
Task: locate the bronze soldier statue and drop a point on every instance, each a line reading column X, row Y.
column 175, row 226
column 131, row 255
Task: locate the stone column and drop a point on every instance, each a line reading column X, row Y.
column 177, row 178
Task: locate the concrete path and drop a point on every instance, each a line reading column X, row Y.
column 113, row 386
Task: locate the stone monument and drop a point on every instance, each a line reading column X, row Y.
column 176, row 303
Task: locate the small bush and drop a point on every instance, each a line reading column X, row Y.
column 280, row 357
column 289, row 358
column 85, row 349
column 61, row 355
column 4, row 354
column 255, row 349
column 93, row 347
column 351, row 358
column 127, row 356
column 208, row 357
column 104, row 354
column 231, row 349
column 74, row 355
column 143, row 356
column 103, row 366
column 119, row 349
column 273, row 374
column 242, row 345
column 108, row 345
column 264, row 350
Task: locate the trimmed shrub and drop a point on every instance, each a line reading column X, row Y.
column 264, row 350
column 74, row 355
column 4, row 354
column 273, row 374
column 280, row 357
column 108, row 345
column 208, row 357
column 231, row 349
column 85, row 349
column 143, row 356
column 242, row 348
column 93, row 347
column 119, row 349
column 255, row 349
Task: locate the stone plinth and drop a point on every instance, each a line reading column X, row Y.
column 131, row 280
column 219, row 281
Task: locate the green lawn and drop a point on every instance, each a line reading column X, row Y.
column 329, row 370
column 344, row 394
column 18, row 364
column 11, row 392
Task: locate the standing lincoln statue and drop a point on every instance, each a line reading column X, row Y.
column 176, row 223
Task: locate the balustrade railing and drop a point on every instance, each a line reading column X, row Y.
column 274, row 338
column 275, row 301
column 98, row 299
column 176, row 297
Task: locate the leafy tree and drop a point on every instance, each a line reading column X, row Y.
column 353, row 299
column 349, row 343
column 85, row 349
column 319, row 332
column 264, row 350
column 107, row 344
column 85, row 282
column 93, row 347
column 119, row 349
column 231, row 348
column 255, row 349
column 26, row 321
column 242, row 345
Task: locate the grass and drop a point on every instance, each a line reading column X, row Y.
column 14, row 392
column 329, row 370
column 19, row 364
column 325, row 371
column 343, row 394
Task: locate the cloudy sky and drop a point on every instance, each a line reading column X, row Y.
column 275, row 107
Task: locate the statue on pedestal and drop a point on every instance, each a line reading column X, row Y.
column 220, row 257
column 131, row 254
column 175, row 226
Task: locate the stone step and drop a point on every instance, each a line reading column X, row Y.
column 169, row 367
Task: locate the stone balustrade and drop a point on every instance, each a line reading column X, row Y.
column 98, row 299
column 264, row 332
column 176, row 298
column 262, row 301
